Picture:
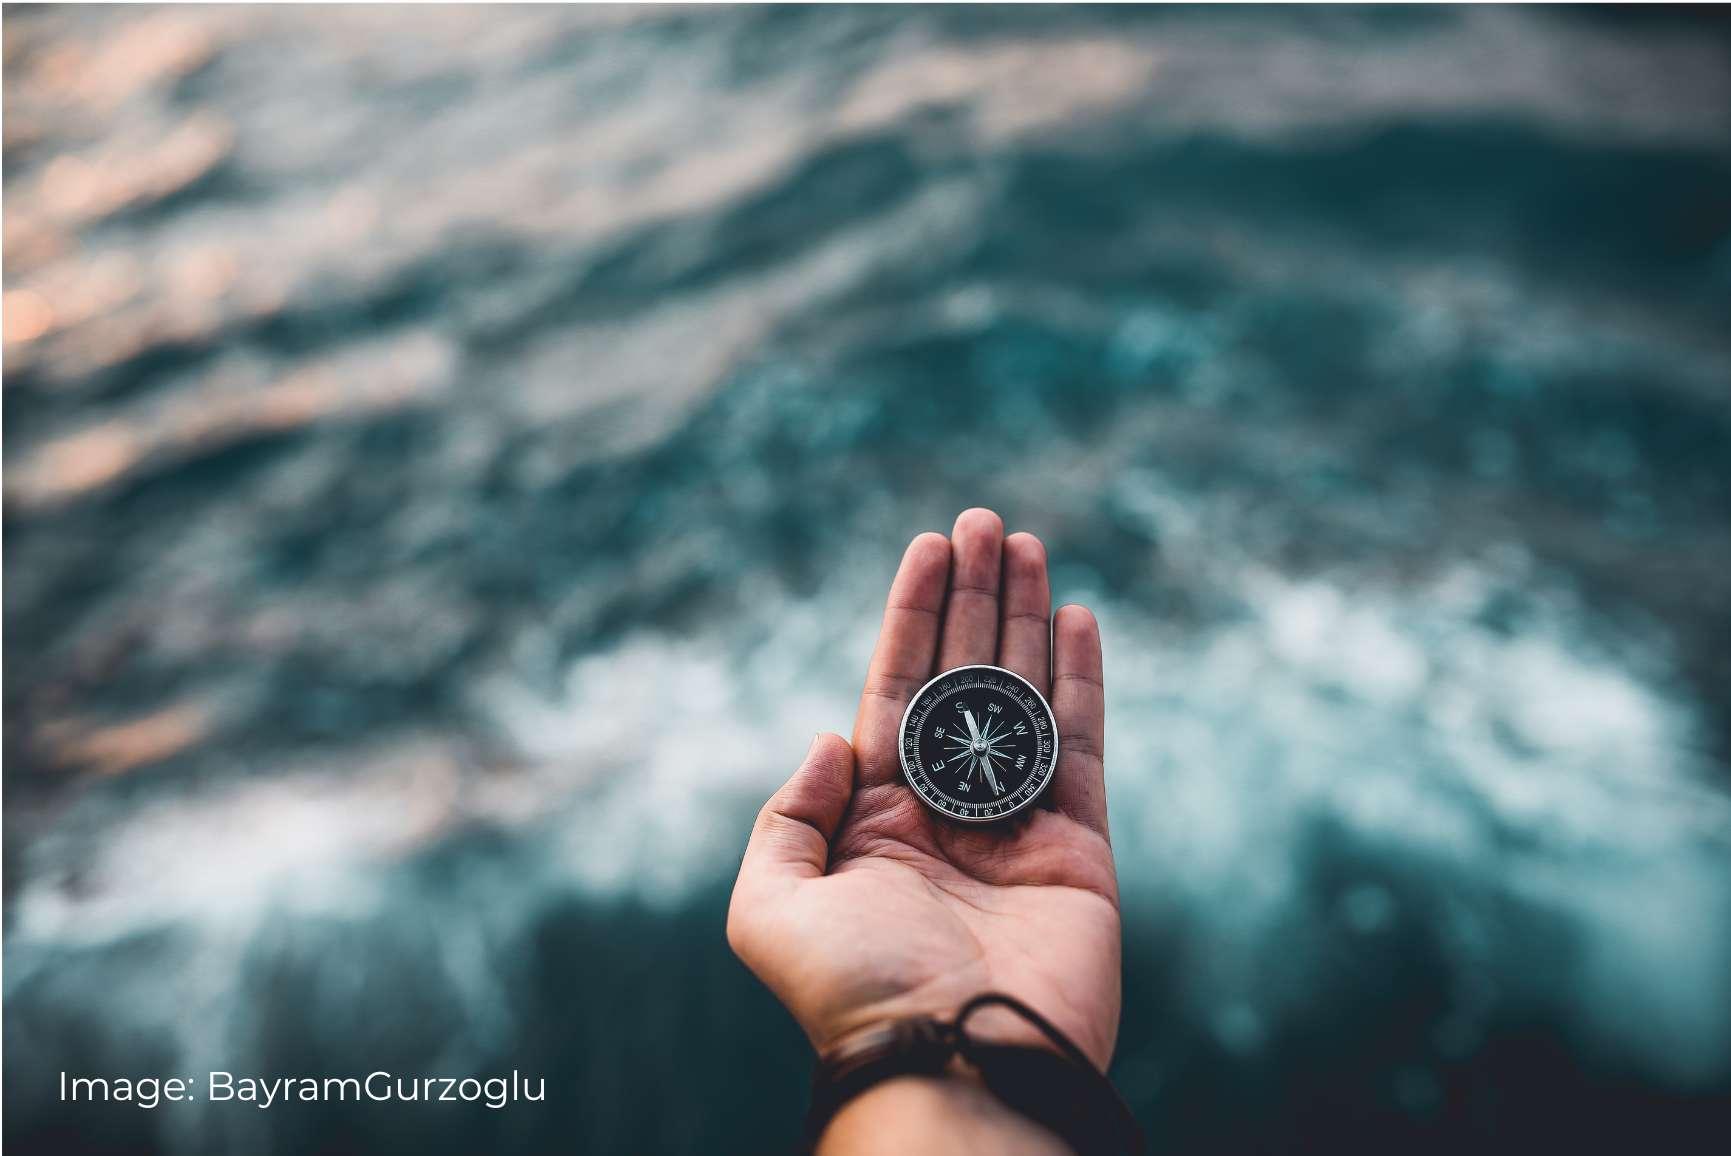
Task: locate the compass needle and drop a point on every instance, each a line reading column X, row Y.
column 986, row 765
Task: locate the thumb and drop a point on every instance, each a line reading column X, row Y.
column 790, row 839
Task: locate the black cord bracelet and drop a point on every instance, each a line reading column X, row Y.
column 1061, row 1090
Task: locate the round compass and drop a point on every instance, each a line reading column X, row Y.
column 978, row 743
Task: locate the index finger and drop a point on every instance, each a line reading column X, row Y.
column 902, row 663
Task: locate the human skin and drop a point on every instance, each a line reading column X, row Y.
column 858, row 905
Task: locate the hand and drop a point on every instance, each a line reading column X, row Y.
column 857, row 904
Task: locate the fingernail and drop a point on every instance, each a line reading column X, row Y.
column 814, row 742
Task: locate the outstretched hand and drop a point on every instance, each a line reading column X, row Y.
column 857, row 905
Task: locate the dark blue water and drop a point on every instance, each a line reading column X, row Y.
column 454, row 460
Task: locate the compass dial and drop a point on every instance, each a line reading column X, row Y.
column 978, row 743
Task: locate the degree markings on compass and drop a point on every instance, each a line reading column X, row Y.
column 989, row 752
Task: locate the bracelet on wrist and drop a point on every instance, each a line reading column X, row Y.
column 1061, row 1090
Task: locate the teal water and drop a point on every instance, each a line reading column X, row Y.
column 454, row 460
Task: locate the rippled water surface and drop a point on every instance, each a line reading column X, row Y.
column 454, row 460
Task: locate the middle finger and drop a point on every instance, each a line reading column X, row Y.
column 971, row 613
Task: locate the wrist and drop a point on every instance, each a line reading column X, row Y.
column 860, row 1031
column 918, row 1084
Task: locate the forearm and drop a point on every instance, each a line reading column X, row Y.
column 915, row 1115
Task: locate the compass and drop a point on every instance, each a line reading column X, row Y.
column 978, row 743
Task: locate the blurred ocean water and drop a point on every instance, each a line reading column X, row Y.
column 454, row 460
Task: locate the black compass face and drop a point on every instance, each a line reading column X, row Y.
column 978, row 743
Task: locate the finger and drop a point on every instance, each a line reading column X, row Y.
column 1079, row 701
column 1025, row 637
column 902, row 662
column 971, row 612
column 790, row 839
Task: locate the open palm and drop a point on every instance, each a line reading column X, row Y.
column 856, row 904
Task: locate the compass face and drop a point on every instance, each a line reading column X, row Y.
column 978, row 743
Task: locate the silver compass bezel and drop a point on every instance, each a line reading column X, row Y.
column 908, row 773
